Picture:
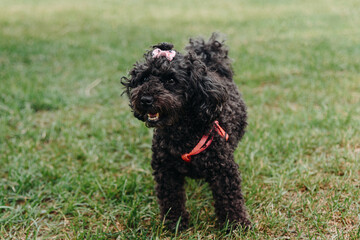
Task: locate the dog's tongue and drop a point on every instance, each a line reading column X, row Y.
column 153, row 115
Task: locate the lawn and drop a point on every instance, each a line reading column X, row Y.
column 75, row 164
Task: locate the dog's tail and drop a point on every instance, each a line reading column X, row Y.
column 213, row 53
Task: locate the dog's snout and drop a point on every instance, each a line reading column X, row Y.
column 147, row 100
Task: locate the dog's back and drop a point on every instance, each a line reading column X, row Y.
column 213, row 53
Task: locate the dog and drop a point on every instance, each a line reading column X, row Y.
column 198, row 117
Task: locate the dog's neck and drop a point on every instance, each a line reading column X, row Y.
column 186, row 128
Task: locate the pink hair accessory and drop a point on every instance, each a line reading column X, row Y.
column 169, row 54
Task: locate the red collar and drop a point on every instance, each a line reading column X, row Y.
column 205, row 142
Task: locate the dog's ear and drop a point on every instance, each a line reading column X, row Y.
column 206, row 93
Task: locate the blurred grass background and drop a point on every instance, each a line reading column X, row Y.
column 74, row 163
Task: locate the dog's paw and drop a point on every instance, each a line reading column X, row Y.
column 246, row 224
column 178, row 224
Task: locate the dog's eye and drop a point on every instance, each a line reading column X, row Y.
column 171, row 81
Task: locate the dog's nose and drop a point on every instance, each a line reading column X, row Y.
column 147, row 100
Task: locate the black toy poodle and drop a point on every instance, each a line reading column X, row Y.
column 198, row 117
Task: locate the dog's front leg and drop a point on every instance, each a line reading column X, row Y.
column 171, row 196
column 225, row 184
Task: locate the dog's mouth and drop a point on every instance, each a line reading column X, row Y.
column 153, row 117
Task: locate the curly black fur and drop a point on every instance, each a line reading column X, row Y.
column 181, row 99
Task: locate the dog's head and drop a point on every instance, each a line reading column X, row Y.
column 169, row 87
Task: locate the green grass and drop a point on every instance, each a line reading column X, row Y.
column 75, row 164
